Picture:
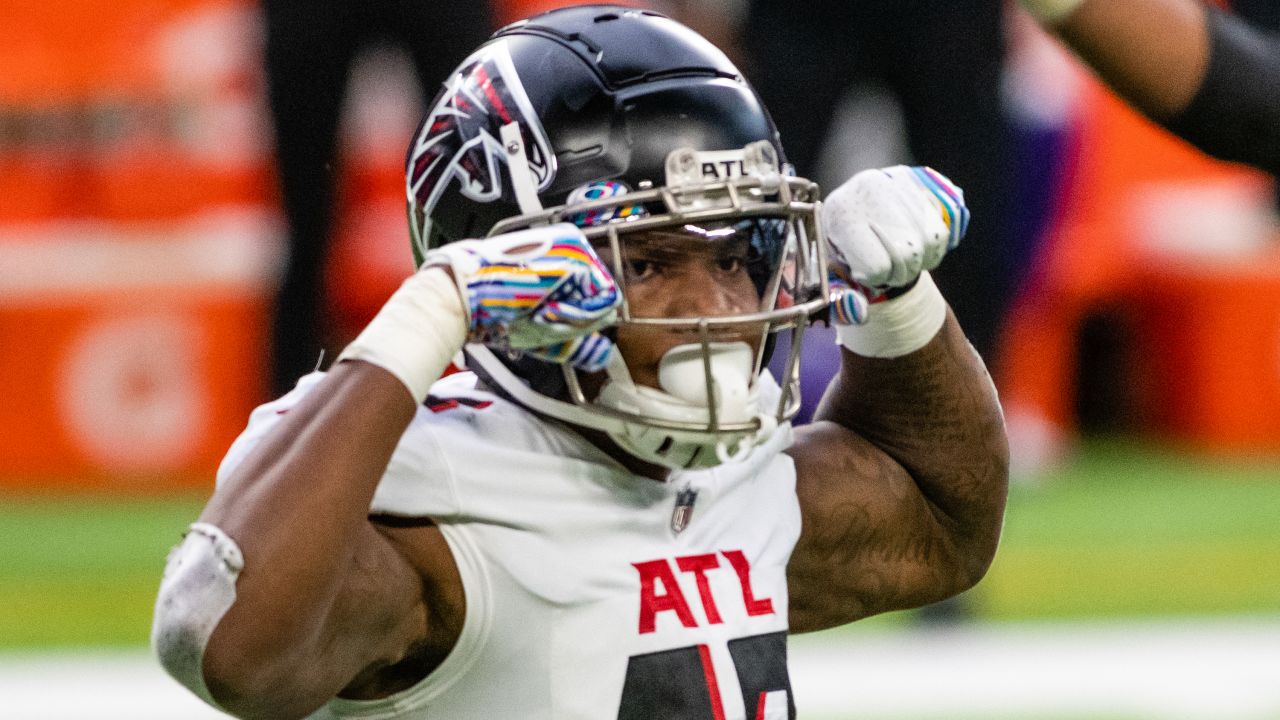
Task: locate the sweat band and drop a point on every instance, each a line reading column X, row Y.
column 416, row 333
column 900, row 325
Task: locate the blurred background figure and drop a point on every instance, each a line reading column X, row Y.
column 1200, row 72
column 939, row 64
column 311, row 51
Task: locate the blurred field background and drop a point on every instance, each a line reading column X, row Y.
column 1128, row 549
column 1122, row 531
column 1139, row 575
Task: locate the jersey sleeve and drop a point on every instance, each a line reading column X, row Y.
column 417, row 482
column 262, row 421
column 1235, row 115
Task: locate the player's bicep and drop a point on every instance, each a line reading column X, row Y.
column 870, row 540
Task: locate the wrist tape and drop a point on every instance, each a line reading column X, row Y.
column 1049, row 12
column 900, row 325
column 416, row 333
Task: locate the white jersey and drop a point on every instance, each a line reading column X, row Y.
column 591, row 593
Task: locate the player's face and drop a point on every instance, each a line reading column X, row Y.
column 687, row 272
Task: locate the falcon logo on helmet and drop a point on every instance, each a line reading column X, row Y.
column 460, row 138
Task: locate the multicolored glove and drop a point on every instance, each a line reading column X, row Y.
column 885, row 227
column 543, row 291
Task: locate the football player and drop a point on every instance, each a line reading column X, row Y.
column 1202, row 73
column 609, row 514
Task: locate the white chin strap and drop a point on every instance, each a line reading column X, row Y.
column 682, row 375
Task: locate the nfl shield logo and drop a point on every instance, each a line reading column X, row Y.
column 683, row 513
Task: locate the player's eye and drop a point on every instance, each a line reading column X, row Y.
column 731, row 264
column 642, row 269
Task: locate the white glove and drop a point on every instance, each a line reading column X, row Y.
column 885, row 230
column 887, row 226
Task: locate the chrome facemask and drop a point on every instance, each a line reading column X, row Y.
column 709, row 408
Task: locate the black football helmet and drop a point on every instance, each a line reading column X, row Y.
column 623, row 121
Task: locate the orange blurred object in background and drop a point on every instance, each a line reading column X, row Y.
column 137, row 239
column 1182, row 250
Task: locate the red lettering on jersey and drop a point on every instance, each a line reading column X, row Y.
column 762, row 606
column 699, row 565
column 651, row 603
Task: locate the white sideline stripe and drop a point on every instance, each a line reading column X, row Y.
column 103, row 685
column 1201, row 670
column 1190, row 670
column 240, row 248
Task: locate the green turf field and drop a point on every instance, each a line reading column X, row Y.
column 1122, row 530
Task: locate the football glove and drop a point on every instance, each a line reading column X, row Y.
column 885, row 227
column 543, row 291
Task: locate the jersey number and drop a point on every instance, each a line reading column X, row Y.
column 681, row 684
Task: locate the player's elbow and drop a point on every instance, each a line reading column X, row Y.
column 974, row 564
column 962, row 565
column 980, row 538
column 207, row 646
column 250, row 685
column 224, row 671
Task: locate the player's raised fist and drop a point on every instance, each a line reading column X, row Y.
column 542, row 290
column 887, row 226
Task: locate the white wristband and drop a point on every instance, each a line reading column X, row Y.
column 416, row 333
column 899, row 326
column 1049, row 12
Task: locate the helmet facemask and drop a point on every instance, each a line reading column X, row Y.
column 735, row 219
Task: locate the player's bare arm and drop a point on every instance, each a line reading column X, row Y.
column 1154, row 52
column 325, row 601
column 902, row 502
column 324, row 595
column 902, row 476
column 1201, row 72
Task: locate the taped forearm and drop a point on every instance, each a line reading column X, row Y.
column 417, row 332
column 1235, row 115
column 899, row 326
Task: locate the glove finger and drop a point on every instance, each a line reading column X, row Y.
column 578, row 313
column 934, row 252
column 576, row 252
column 537, row 332
column 581, row 297
column 925, row 232
column 950, row 200
column 866, row 255
column 905, row 251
